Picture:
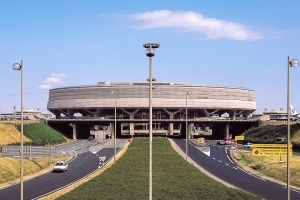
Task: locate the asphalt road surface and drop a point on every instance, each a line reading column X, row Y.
column 85, row 163
column 221, row 166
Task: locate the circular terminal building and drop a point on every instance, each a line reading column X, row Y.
column 176, row 107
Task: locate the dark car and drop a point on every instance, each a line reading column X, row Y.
column 221, row 142
column 91, row 137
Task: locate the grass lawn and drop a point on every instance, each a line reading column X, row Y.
column 273, row 168
column 173, row 177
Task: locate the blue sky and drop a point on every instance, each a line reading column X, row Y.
column 228, row 43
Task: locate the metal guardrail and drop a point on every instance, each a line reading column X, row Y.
column 28, row 151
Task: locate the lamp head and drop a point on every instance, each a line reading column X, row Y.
column 112, row 92
column 150, row 52
column 151, row 45
column 17, row 66
column 294, row 63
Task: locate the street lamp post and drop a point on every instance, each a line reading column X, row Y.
column 19, row 67
column 150, row 53
column 186, row 125
column 114, row 93
column 291, row 63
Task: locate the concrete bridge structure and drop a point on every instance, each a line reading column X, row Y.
column 211, row 110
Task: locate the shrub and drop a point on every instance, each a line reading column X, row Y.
column 41, row 134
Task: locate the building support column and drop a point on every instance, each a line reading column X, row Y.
column 189, row 126
column 131, row 116
column 74, row 131
column 171, row 128
column 227, row 131
column 112, row 130
column 131, row 125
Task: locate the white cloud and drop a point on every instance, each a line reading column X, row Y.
column 53, row 79
column 44, row 87
column 194, row 22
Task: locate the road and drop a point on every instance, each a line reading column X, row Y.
column 85, row 163
column 221, row 166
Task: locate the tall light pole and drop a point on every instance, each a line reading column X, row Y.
column 186, row 125
column 291, row 63
column 19, row 67
column 114, row 93
column 150, row 53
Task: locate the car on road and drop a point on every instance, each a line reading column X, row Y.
column 91, row 137
column 60, row 166
column 248, row 145
column 221, row 142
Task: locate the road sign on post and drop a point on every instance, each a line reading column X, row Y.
column 271, row 150
column 240, row 137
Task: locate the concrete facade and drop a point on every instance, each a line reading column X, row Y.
column 169, row 101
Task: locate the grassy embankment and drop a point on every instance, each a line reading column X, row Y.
column 33, row 133
column 173, row 177
column 271, row 166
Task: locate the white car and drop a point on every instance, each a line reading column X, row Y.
column 248, row 145
column 60, row 166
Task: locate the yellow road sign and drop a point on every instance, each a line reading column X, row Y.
column 270, row 152
column 241, row 137
column 272, row 145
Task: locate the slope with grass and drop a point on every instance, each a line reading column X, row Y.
column 272, row 167
column 173, row 177
column 10, row 168
column 9, row 134
column 268, row 134
column 41, row 134
column 33, row 133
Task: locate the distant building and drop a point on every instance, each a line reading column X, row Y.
column 276, row 115
column 28, row 114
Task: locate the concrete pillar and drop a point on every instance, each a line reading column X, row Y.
column 70, row 114
column 232, row 114
column 131, row 125
column 74, row 131
column 191, row 129
column 188, row 131
column 112, row 130
column 227, row 131
column 171, row 128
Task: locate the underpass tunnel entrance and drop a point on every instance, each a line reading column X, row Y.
column 82, row 130
column 65, row 129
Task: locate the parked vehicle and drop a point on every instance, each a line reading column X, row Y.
column 228, row 141
column 91, row 137
column 60, row 166
column 220, row 142
column 248, row 145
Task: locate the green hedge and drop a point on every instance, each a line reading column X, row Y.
column 173, row 177
column 41, row 134
column 268, row 134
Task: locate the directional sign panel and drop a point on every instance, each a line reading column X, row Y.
column 241, row 137
column 270, row 152
column 272, row 145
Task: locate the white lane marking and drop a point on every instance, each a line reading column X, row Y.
column 229, row 159
column 226, row 164
column 214, row 158
column 235, row 168
column 295, row 190
column 219, row 160
column 252, row 174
